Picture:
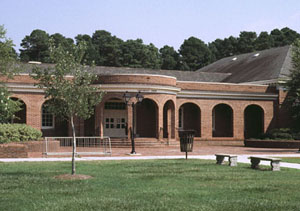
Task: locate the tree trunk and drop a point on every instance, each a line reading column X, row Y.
column 74, row 146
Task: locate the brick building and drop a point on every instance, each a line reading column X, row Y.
column 233, row 98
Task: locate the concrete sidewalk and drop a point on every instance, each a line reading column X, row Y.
column 241, row 159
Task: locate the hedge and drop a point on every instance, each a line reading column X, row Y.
column 18, row 133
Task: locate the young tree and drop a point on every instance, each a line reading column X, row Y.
column 68, row 86
column 8, row 67
column 293, row 84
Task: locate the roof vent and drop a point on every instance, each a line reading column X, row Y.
column 34, row 62
column 235, row 58
column 256, row 55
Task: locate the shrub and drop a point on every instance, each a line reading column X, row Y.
column 18, row 132
column 279, row 133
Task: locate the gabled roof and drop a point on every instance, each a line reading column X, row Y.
column 266, row 65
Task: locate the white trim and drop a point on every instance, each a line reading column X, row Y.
column 138, row 87
column 226, row 95
column 222, row 83
column 138, row 74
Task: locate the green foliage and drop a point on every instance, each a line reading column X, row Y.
column 279, row 134
column 104, row 49
column 195, row 53
column 246, row 42
column 69, row 96
column 35, row 47
column 293, row 85
column 8, row 107
column 169, row 58
column 18, row 132
column 7, row 55
column 8, row 68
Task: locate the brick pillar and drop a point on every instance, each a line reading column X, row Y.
column 238, row 123
column 206, row 122
column 34, row 114
column 129, row 120
column 160, row 121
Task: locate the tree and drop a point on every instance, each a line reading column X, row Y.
column 246, row 42
column 68, row 97
column 91, row 54
column 289, row 35
column 195, row 53
column 169, row 58
column 108, row 48
column 8, row 67
column 293, row 84
column 278, row 38
column 59, row 39
column 136, row 54
column 264, row 41
column 35, row 47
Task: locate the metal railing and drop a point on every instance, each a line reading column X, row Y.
column 84, row 146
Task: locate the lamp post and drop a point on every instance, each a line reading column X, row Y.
column 139, row 97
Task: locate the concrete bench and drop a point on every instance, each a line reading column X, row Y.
column 231, row 158
column 275, row 162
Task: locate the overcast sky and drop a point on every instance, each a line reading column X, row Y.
column 161, row 22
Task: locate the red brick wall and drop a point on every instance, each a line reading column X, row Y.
column 137, row 79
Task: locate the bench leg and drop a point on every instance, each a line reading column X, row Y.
column 232, row 161
column 220, row 160
column 275, row 165
column 255, row 163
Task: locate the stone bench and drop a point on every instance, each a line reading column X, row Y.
column 231, row 158
column 275, row 162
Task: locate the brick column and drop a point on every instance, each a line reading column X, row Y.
column 129, row 119
column 34, row 114
column 238, row 123
column 206, row 122
column 160, row 122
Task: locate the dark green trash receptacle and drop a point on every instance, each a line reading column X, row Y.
column 186, row 141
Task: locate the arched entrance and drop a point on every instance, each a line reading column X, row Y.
column 114, row 118
column 169, row 119
column 222, row 116
column 254, row 121
column 89, row 126
column 147, row 119
column 20, row 116
column 190, row 118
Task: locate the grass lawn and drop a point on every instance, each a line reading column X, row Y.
column 290, row 159
column 147, row 185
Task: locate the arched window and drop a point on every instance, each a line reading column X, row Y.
column 47, row 118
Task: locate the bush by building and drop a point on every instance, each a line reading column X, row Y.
column 18, row 133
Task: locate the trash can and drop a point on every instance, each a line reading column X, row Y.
column 186, row 141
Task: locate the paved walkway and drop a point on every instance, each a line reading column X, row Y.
column 171, row 152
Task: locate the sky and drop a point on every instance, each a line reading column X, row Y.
column 161, row 22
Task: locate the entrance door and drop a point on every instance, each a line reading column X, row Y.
column 114, row 122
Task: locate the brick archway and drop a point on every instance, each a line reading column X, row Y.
column 222, row 121
column 20, row 116
column 147, row 119
column 190, row 118
column 253, row 121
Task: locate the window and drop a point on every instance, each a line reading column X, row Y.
column 115, row 105
column 47, row 118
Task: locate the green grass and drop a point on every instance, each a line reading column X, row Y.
column 147, row 185
column 290, row 159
